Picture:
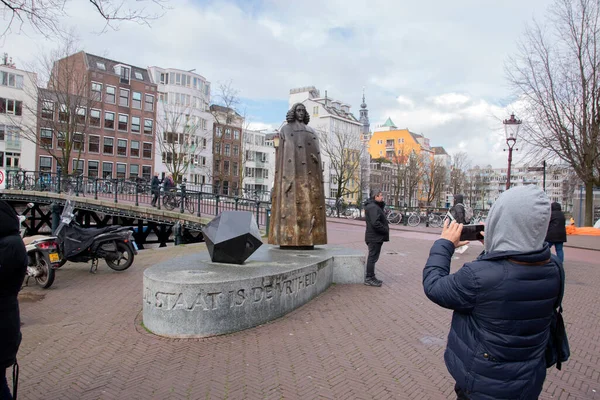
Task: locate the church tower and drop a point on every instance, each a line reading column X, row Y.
column 364, row 119
column 365, row 159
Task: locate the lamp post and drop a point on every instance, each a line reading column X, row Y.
column 511, row 129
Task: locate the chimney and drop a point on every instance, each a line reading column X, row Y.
column 326, row 98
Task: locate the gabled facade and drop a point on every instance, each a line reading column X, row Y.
column 227, row 150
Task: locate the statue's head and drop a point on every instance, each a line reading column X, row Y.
column 294, row 114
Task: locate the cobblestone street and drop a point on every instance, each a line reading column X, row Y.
column 84, row 339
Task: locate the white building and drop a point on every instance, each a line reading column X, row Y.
column 184, row 123
column 331, row 117
column 18, row 96
column 259, row 164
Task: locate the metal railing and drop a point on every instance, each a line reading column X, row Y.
column 140, row 192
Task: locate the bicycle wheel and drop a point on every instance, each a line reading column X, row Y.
column 414, row 220
column 189, row 205
column 393, row 217
column 436, row 221
column 169, row 202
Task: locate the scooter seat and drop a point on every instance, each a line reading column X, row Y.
column 30, row 239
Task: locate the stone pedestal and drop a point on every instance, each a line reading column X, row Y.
column 194, row 297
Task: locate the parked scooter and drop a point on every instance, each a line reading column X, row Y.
column 115, row 244
column 43, row 256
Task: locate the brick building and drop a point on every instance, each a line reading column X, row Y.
column 227, row 150
column 103, row 113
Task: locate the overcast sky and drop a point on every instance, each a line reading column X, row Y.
column 435, row 67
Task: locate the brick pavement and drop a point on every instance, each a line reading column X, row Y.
column 83, row 338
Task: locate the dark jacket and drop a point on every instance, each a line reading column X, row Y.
column 155, row 184
column 557, row 231
column 378, row 229
column 500, row 326
column 458, row 209
column 13, row 264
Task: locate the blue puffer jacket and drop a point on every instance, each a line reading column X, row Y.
column 502, row 304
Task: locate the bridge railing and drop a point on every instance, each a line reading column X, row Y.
column 139, row 192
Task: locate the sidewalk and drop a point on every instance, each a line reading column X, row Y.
column 84, row 339
column 575, row 241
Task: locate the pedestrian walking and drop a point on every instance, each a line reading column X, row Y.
column 13, row 264
column 459, row 212
column 155, row 188
column 377, row 232
column 557, row 231
column 503, row 301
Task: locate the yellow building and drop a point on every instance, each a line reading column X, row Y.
column 396, row 144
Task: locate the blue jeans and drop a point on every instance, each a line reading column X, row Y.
column 559, row 250
column 4, row 390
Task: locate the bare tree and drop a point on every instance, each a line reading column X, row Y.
column 460, row 163
column 181, row 136
column 435, row 178
column 46, row 16
column 414, row 173
column 344, row 150
column 557, row 75
column 61, row 107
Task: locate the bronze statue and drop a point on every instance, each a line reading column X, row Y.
column 298, row 199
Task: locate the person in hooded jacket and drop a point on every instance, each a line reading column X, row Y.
column 557, row 231
column 503, row 301
column 13, row 264
column 458, row 209
column 378, row 231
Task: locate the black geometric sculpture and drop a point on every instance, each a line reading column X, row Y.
column 232, row 237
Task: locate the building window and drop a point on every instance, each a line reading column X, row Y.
column 227, row 133
column 226, row 167
column 109, row 144
column 121, row 170
column 93, row 144
column 92, row 171
column 80, row 115
column 101, row 65
column 109, row 120
column 139, row 76
column 63, row 113
column 122, row 147
column 123, row 122
column 78, row 142
column 96, row 91
column 148, row 126
column 123, row 97
column 134, row 170
column 164, row 78
column 204, row 141
column 135, row 124
column 236, row 171
column 217, row 148
column 147, row 150
column 149, row 102
column 125, row 74
column 219, row 131
column 46, row 138
column 60, row 140
column 10, row 79
column 110, row 95
column 94, row 117
column 134, row 150
column 236, row 150
column 136, row 100
column 78, row 167
column 226, row 149
column 146, row 172
column 48, row 110
column 236, row 134
column 45, row 164
column 107, row 170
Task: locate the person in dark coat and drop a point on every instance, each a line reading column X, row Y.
column 557, row 231
column 13, row 264
column 377, row 232
column 458, row 210
column 503, row 301
column 155, row 187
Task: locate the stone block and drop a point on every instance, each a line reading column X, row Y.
column 232, row 237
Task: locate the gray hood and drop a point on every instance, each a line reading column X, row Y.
column 518, row 220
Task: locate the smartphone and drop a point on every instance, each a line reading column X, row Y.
column 472, row 232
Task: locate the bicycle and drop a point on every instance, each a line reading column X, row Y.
column 172, row 200
column 393, row 216
column 435, row 220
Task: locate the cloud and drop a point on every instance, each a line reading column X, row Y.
column 435, row 67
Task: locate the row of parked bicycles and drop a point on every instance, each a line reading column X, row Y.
column 414, row 218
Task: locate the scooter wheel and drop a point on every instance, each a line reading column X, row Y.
column 125, row 258
column 46, row 279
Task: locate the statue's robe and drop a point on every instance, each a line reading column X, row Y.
column 298, row 198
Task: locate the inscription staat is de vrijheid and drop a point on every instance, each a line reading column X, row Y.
column 208, row 301
column 298, row 202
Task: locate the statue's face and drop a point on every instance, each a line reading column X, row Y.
column 300, row 113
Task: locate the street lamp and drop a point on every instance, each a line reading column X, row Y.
column 511, row 129
column 276, row 139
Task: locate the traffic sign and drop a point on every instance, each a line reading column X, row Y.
column 2, row 179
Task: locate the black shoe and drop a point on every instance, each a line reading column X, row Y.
column 372, row 281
